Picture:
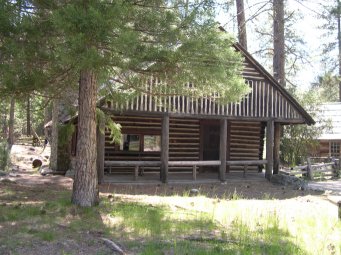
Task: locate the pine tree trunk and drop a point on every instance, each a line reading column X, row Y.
column 46, row 120
column 4, row 113
column 54, row 136
column 85, row 186
column 278, row 66
column 11, row 123
column 241, row 23
column 278, row 34
column 28, row 117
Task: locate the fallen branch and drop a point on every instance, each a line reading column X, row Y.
column 209, row 239
column 113, row 246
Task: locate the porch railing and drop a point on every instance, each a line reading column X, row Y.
column 194, row 164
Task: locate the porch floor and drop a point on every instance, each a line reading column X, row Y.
column 154, row 177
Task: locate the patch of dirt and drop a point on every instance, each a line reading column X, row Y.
column 244, row 189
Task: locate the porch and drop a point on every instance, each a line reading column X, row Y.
column 212, row 151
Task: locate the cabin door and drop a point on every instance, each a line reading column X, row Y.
column 210, row 142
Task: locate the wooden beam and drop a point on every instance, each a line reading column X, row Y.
column 277, row 140
column 164, row 149
column 194, row 173
column 228, row 145
column 222, row 151
column 269, row 148
column 100, row 150
column 246, row 162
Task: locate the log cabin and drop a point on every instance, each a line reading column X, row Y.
column 330, row 139
column 198, row 136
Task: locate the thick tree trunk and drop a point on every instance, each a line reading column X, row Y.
column 47, row 118
column 11, row 123
column 278, row 34
column 28, row 117
column 85, row 186
column 54, row 136
column 3, row 116
column 241, row 23
column 278, row 63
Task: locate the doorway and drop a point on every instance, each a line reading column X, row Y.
column 210, row 142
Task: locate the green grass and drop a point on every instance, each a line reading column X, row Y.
column 233, row 226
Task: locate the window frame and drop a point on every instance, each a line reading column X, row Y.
column 334, row 149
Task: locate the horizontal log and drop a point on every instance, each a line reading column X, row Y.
column 323, row 171
column 246, row 162
column 132, row 163
column 195, row 163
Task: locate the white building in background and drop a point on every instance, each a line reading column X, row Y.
column 330, row 140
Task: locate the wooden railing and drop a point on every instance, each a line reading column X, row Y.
column 314, row 171
column 194, row 164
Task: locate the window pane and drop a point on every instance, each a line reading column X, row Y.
column 152, row 143
column 334, row 149
column 130, row 143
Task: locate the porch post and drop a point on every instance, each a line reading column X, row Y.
column 276, row 147
column 100, row 150
column 269, row 148
column 222, row 151
column 164, row 149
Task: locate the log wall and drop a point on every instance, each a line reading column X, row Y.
column 244, row 141
column 183, row 139
column 323, row 150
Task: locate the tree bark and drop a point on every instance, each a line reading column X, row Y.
column 241, row 23
column 11, row 123
column 85, row 186
column 278, row 34
column 54, row 136
column 269, row 149
column 28, row 117
column 46, row 120
column 277, row 139
column 4, row 122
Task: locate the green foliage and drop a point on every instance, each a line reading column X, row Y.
column 124, row 43
column 300, row 141
column 114, row 128
column 328, row 86
column 65, row 133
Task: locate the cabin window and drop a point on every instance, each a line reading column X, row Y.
column 152, row 143
column 130, row 143
column 335, row 149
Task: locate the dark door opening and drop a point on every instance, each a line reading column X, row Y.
column 210, row 142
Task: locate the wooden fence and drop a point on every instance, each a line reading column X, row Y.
column 315, row 171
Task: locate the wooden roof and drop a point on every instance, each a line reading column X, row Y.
column 331, row 112
column 261, row 72
column 267, row 100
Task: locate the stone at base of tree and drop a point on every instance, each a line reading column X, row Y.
column 288, row 180
column 37, row 163
column 3, row 173
column 70, row 173
column 194, row 192
column 45, row 170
